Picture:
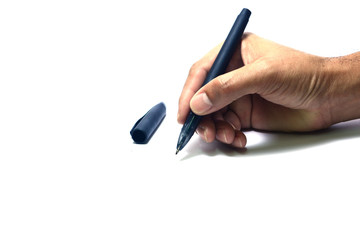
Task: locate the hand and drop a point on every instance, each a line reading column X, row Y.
column 267, row 87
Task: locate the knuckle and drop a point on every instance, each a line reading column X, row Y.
column 268, row 75
column 267, row 65
column 220, row 88
column 224, row 85
column 195, row 69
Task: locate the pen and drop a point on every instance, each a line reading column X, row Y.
column 218, row 68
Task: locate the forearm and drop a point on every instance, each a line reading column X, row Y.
column 344, row 97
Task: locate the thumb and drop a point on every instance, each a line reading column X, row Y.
column 224, row 89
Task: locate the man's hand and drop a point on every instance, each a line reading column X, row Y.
column 267, row 87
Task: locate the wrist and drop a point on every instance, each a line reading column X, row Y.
column 343, row 74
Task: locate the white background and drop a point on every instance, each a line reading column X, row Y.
column 76, row 75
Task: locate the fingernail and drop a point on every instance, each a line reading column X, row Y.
column 241, row 144
column 206, row 135
column 225, row 138
column 203, row 132
column 221, row 136
column 200, row 103
column 240, row 141
column 200, row 130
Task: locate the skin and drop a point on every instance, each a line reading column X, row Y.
column 271, row 87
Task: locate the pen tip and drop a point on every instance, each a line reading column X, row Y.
column 177, row 151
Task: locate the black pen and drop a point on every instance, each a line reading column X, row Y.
column 221, row 62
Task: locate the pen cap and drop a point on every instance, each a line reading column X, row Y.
column 146, row 126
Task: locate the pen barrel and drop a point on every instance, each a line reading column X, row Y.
column 227, row 50
column 219, row 66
